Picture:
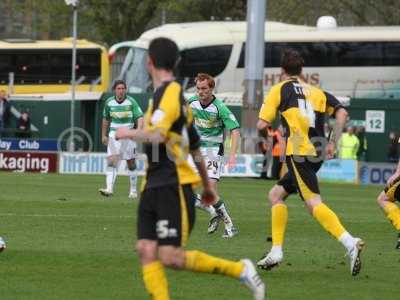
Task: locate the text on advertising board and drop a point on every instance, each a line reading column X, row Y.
column 28, row 162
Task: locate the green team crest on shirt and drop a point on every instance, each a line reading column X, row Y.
column 121, row 114
column 212, row 120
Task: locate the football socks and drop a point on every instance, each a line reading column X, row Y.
column 278, row 221
column 197, row 261
column 328, row 219
column 392, row 212
column 155, row 281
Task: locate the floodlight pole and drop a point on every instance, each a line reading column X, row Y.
column 74, row 3
column 254, row 72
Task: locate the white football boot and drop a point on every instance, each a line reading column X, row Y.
column 270, row 260
column 354, row 255
column 105, row 192
column 252, row 280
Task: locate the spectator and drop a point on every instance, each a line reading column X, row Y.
column 24, row 126
column 5, row 112
column 393, row 150
column 362, row 150
column 348, row 144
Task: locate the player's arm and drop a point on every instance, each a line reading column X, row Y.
column 140, row 135
column 263, row 125
column 140, row 123
column 269, row 108
column 104, row 131
column 137, row 114
column 395, row 175
column 335, row 109
column 230, row 123
column 105, row 125
column 235, row 136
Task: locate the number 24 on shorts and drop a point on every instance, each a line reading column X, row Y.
column 213, row 165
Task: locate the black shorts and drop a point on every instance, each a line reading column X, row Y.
column 166, row 214
column 288, row 182
column 393, row 191
column 301, row 177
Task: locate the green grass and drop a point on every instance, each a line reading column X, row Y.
column 66, row 242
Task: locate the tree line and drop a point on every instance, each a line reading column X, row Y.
column 112, row 21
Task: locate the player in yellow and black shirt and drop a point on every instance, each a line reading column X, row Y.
column 302, row 109
column 387, row 198
column 166, row 208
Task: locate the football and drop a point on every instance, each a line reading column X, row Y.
column 2, row 244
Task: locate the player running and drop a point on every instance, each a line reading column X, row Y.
column 120, row 110
column 302, row 109
column 166, row 209
column 211, row 118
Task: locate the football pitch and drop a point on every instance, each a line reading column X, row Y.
column 64, row 241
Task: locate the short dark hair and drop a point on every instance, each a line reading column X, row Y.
column 164, row 53
column 117, row 83
column 292, row 62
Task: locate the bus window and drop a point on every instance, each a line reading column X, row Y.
column 29, row 66
column 211, row 60
column 134, row 68
column 391, row 54
column 328, row 54
column 45, row 66
column 60, row 67
column 6, row 64
column 88, row 65
column 359, row 54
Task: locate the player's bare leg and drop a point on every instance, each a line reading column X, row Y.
column 222, row 214
column 392, row 211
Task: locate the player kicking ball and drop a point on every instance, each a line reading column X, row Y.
column 211, row 118
column 119, row 111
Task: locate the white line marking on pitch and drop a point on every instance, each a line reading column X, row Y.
column 61, row 216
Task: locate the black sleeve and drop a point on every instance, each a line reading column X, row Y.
column 332, row 104
column 194, row 138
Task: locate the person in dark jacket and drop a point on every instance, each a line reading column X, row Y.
column 5, row 110
column 24, row 126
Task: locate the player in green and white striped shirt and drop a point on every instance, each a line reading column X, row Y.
column 120, row 110
column 212, row 118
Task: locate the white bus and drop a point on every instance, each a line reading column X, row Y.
column 347, row 61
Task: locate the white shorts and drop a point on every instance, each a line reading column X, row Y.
column 125, row 148
column 214, row 162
